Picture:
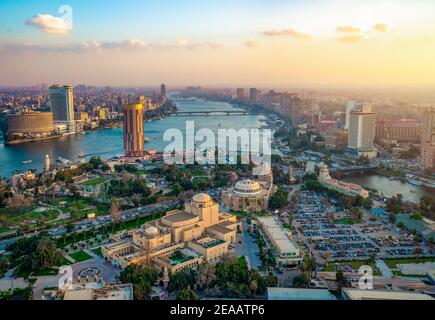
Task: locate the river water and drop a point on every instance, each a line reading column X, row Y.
column 383, row 184
column 389, row 187
column 109, row 142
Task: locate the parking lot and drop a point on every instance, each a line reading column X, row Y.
column 357, row 240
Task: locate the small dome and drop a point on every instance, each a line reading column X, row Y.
column 247, row 186
column 262, row 169
column 152, row 231
column 201, row 197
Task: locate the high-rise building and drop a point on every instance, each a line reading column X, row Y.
column 133, row 129
column 362, row 132
column 335, row 138
column 428, row 155
column 163, row 90
column 30, row 123
column 428, row 126
column 253, row 95
column 240, row 92
column 428, row 139
column 400, row 130
column 62, row 103
column 350, row 105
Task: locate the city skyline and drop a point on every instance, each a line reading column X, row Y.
column 256, row 43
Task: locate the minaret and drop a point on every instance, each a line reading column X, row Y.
column 165, row 278
column 291, row 179
column 324, row 174
column 47, row 163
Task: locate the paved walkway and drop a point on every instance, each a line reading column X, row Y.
column 248, row 247
column 10, row 283
column 69, row 258
column 94, row 255
column 385, row 270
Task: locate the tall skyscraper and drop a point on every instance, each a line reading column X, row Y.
column 362, row 132
column 428, row 139
column 133, row 129
column 253, row 92
column 163, row 90
column 350, row 105
column 240, row 92
column 428, row 126
column 62, row 103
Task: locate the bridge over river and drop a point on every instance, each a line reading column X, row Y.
column 217, row 113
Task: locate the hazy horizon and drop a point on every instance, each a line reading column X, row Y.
column 329, row 44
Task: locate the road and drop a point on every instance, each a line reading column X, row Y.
column 248, row 247
column 385, row 270
column 84, row 225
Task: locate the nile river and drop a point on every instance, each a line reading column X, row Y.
column 389, row 187
column 109, row 142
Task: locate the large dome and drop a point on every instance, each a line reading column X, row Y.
column 201, row 198
column 247, row 187
column 152, row 231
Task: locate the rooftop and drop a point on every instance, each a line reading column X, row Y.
column 299, row 294
column 356, row 294
column 279, row 234
column 219, row 228
column 209, row 242
column 178, row 216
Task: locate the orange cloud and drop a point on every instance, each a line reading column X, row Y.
column 381, row 27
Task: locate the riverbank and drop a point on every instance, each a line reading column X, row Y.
column 21, row 141
column 389, row 188
column 108, row 143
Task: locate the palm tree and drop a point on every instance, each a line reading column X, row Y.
column 40, row 223
column 253, row 286
column 372, row 261
column 25, row 227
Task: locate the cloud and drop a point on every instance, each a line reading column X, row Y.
column 381, row 27
column 288, row 33
column 123, row 45
column 253, row 44
column 348, row 29
column 50, row 24
column 130, row 44
column 215, row 45
column 350, row 38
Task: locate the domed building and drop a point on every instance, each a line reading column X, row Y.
column 247, row 187
column 249, row 194
column 180, row 239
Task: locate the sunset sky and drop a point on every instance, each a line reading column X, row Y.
column 282, row 43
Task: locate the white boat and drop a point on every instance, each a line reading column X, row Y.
column 429, row 184
column 415, row 182
column 26, row 161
